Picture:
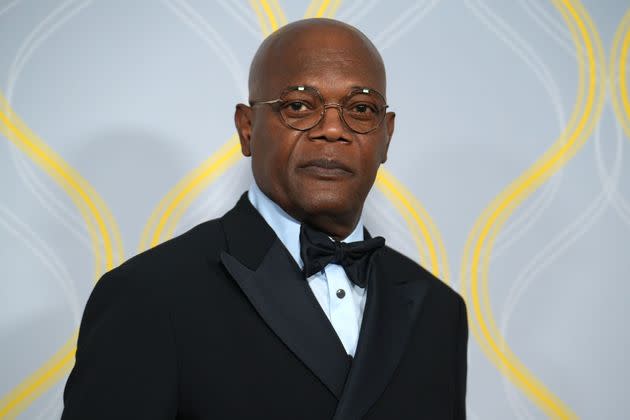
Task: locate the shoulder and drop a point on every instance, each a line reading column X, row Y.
column 410, row 270
column 179, row 254
column 205, row 239
column 167, row 266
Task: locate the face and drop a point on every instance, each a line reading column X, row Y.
column 328, row 170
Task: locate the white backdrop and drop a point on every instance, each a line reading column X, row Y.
column 507, row 174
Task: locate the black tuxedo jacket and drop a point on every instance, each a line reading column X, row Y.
column 219, row 323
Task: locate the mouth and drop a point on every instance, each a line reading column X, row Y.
column 326, row 168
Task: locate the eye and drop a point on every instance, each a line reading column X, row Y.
column 297, row 106
column 363, row 108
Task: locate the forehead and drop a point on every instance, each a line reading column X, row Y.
column 333, row 65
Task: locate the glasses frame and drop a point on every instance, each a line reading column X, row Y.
column 325, row 106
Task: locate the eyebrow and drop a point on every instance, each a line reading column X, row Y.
column 352, row 88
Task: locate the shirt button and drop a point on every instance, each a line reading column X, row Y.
column 341, row 293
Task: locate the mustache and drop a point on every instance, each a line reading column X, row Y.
column 327, row 164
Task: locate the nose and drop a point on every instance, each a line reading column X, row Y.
column 331, row 127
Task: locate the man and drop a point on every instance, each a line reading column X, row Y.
column 284, row 308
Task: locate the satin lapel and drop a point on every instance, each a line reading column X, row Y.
column 285, row 302
column 393, row 302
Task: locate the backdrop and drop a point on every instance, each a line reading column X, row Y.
column 507, row 175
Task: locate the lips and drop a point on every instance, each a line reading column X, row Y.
column 326, row 168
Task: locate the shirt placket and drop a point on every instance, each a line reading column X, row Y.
column 343, row 311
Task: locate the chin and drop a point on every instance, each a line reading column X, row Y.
column 330, row 201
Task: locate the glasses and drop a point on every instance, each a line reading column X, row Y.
column 303, row 107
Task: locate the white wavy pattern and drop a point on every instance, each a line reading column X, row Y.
column 243, row 15
column 46, row 255
column 47, row 197
column 357, row 11
column 223, row 187
column 563, row 241
column 404, row 23
column 9, row 6
column 517, row 227
column 232, row 179
column 619, row 203
column 533, row 210
column 53, row 408
column 194, row 20
column 382, row 218
column 610, row 179
column 550, row 24
column 213, row 204
column 59, row 274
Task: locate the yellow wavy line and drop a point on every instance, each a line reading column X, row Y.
column 417, row 218
column 559, row 154
column 170, row 209
column 52, row 371
column 553, row 150
column 264, row 27
column 225, row 158
column 271, row 16
column 501, row 208
column 310, row 10
column 99, row 221
column 84, row 196
column 414, row 228
column 467, row 252
column 571, row 148
column 623, row 76
column 333, row 9
column 620, row 99
column 164, row 219
column 322, row 8
column 281, row 16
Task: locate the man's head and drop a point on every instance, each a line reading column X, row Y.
column 320, row 175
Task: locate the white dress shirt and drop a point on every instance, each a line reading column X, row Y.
column 342, row 301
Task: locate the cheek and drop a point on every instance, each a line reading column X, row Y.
column 373, row 153
column 272, row 149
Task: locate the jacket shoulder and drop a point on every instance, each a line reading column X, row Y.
column 203, row 240
column 159, row 270
column 409, row 269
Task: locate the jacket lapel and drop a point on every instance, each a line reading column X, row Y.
column 393, row 301
column 273, row 283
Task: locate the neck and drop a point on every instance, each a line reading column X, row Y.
column 336, row 227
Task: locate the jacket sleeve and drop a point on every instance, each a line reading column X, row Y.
column 125, row 365
column 461, row 366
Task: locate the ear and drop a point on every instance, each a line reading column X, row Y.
column 243, row 122
column 390, row 118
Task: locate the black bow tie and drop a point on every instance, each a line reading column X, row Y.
column 318, row 250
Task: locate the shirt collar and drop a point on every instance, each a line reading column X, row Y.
column 286, row 227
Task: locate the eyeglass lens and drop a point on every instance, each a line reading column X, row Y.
column 303, row 108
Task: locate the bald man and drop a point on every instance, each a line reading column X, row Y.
column 285, row 307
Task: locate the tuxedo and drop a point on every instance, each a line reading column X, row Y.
column 219, row 323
